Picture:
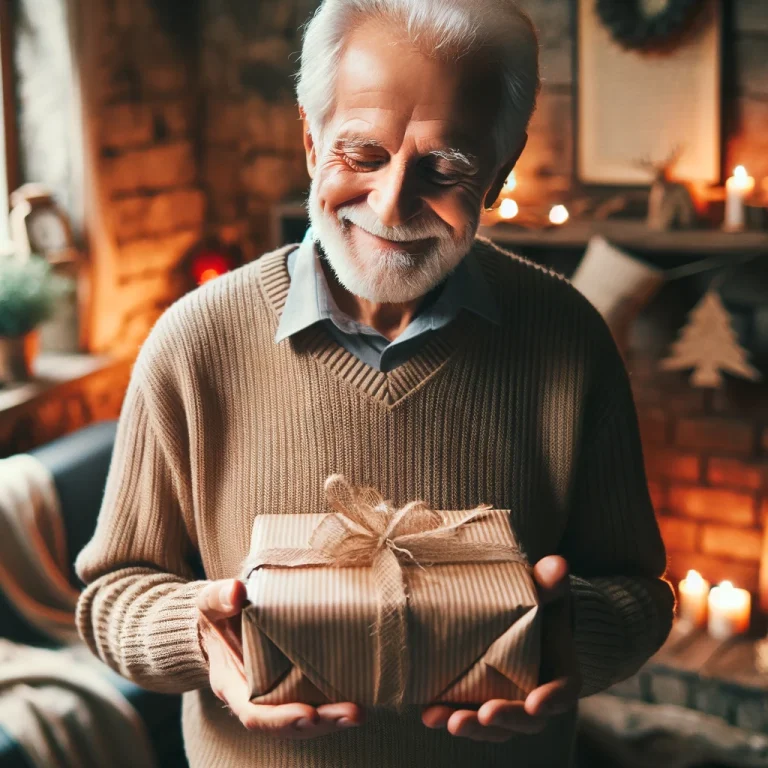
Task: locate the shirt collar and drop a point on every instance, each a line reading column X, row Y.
column 310, row 300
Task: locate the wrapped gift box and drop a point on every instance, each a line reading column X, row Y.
column 388, row 607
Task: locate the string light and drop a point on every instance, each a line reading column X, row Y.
column 509, row 209
column 559, row 215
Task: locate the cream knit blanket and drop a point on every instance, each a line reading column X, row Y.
column 57, row 705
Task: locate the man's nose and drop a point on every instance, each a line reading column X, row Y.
column 395, row 197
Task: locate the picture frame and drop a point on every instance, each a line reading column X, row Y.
column 676, row 102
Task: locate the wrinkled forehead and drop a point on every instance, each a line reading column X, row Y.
column 393, row 91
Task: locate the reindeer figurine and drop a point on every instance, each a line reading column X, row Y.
column 670, row 205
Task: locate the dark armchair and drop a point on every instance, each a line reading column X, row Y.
column 79, row 463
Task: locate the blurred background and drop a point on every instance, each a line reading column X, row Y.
column 152, row 145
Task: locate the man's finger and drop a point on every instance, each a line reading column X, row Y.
column 551, row 577
column 222, row 599
column 553, row 698
column 509, row 715
column 345, row 714
column 464, row 724
column 437, row 716
column 227, row 681
column 271, row 718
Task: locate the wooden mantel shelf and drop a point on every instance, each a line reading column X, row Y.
column 67, row 392
column 49, row 371
column 632, row 235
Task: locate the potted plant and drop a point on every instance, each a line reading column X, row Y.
column 28, row 294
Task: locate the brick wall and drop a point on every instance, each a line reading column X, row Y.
column 707, row 465
column 149, row 126
column 254, row 152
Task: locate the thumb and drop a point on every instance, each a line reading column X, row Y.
column 551, row 577
column 222, row 599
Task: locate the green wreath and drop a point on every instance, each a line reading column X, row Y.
column 636, row 30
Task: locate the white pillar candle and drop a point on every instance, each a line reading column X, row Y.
column 692, row 606
column 737, row 189
column 729, row 610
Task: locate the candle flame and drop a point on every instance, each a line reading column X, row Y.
column 726, row 585
column 559, row 214
column 694, row 578
column 740, row 172
column 509, row 209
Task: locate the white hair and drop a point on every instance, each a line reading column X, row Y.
column 448, row 29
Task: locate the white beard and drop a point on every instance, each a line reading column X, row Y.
column 387, row 276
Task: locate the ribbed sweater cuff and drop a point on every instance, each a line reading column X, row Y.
column 615, row 624
column 167, row 655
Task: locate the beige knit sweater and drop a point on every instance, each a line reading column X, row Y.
column 221, row 424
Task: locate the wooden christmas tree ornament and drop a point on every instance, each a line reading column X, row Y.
column 709, row 345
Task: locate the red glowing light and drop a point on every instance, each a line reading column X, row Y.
column 208, row 265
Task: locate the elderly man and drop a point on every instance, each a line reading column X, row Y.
column 396, row 348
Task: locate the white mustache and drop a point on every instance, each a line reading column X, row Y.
column 422, row 229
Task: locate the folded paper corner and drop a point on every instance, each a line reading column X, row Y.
column 517, row 653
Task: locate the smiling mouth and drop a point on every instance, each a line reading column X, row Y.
column 405, row 244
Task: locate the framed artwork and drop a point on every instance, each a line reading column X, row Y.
column 649, row 86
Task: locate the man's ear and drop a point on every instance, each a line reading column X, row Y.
column 498, row 182
column 309, row 144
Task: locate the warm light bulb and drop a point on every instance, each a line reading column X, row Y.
column 509, row 209
column 559, row 214
column 510, row 185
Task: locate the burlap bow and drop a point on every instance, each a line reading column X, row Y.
column 366, row 531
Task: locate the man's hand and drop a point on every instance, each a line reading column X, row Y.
column 220, row 604
column 498, row 720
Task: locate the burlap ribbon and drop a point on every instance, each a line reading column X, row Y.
column 366, row 531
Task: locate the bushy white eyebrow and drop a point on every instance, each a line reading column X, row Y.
column 456, row 155
column 357, row 142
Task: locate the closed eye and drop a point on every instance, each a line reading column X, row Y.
column 362, row 165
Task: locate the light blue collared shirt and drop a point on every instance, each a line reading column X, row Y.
column 310, row 301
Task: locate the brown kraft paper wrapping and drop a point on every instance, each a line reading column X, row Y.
column 388, row 607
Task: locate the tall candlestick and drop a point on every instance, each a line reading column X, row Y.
column 737, row 189
column 729, row 609
column 692, row 605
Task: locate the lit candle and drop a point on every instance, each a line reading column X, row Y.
column 510, row 185
column 559, row 215
column 509, row 209
column 729, row 609
column 692, row 605
column 737, row 189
